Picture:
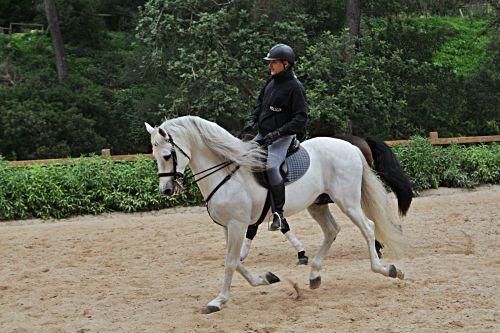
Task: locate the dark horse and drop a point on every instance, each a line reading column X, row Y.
column 381, row 158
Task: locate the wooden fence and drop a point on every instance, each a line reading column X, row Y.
column 436, row 140
column 21, row 27
column 433, row 139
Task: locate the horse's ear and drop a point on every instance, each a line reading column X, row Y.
column 162, row 132
column 149, row 128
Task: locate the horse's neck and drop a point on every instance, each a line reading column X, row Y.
column 202, row 160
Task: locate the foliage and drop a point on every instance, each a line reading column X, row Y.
column 390, row 87
column 350, row 90
column 428, row 7
column 405, row 76
column 90, row 111
column 122, row 14
column 417, row 38
column 96, row 185
column 16, row 11
column 467, row 49
column 79, row 24
column 84, row 186
column 212, row 55
column 431, row 166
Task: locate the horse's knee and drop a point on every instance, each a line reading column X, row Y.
column 231, row 265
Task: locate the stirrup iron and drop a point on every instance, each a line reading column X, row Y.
column 273, row 226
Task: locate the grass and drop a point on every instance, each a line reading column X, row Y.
column 466, row 50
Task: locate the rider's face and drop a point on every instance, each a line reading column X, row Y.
column 277, row 66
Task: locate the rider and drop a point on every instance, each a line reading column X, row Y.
column 281, row 114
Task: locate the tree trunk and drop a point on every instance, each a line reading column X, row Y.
column 57, row 42
column 353, row 16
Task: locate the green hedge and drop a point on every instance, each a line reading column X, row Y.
column 97, row 185
column 84, row 186
column 431, row 166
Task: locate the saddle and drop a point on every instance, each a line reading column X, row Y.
column 293, row 168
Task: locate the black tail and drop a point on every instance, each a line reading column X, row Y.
column 391, row 172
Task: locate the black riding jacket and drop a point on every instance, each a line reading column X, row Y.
column 282, row 106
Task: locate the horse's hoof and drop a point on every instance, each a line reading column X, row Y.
column 303, row 261
column 315, row 283
column 210, row 309
column 393, row 272
column 271, row 278
column 396, row 273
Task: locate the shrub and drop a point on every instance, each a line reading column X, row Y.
column 84, row 186
column 97, row 185
column 454, row 166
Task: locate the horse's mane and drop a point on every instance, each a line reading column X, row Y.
column 201, row 132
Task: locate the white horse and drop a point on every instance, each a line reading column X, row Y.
column 235, row 200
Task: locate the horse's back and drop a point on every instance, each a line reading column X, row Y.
column 333, row 150
column 337, row 167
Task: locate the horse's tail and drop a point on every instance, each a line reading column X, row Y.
column 387, row 166
column 378, row 208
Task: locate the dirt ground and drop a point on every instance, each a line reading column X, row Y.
column 154, row 272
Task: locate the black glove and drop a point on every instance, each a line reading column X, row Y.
column 270, row 138
column 248, row 126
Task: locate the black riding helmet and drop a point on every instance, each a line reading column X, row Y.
column 281, row 52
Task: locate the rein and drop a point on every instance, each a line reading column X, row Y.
column 176, row 174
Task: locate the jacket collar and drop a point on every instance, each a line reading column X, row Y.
column 284, row 75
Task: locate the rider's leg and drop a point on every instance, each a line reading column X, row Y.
column 276, row 155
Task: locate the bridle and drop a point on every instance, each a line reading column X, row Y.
column 173, row 153
column 179, row 175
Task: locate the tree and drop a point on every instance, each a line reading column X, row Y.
column 57, row 42
column 353, row 16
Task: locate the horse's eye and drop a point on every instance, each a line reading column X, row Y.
column 166, row 157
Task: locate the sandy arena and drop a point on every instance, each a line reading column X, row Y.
column 154, row 272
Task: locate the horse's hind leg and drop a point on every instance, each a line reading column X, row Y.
column 367, row 227
column 330, row 228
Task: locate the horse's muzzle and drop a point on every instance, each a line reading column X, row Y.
column 167, row 188
column 171, row 188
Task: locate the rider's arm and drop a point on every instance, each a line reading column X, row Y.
column 299, row 113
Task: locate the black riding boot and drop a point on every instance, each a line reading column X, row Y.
column 277, row 203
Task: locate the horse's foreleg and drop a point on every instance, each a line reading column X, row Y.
column 251, row 278
column 245, row 249
column 234, row 233
column 330, row 228
column 254, row 280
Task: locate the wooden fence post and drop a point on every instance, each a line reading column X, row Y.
column 433, row 135
column 105, row 152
